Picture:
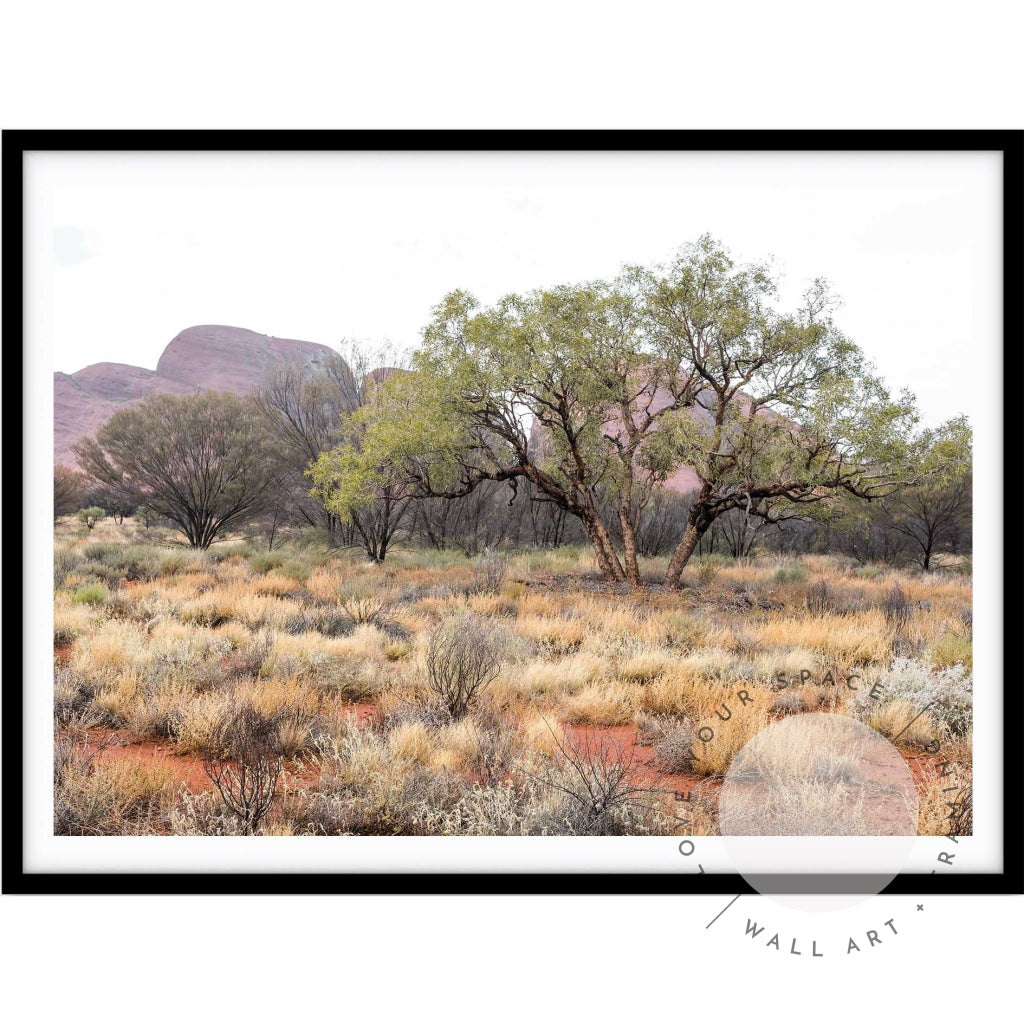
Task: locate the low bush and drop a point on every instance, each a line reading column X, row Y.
column 265, row 561
column 821, row 599
column 65, row 561
column 245, row 764
column 491, row 570
column 790, row 574
column 947, row 693
column 464, row 656
column 92, row 593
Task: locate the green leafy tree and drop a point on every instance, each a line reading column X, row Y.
column 359, row 481
column 789, row 412
column 202, row 461
column 561, row 388
column 934, row 515
column 597, row 393
column 91, row 516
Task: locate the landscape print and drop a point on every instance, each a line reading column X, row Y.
column 540, row 571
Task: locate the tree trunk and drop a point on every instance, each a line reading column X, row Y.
column 629, row 546
column 695, row 528
column 609, row 562
column 626, row 525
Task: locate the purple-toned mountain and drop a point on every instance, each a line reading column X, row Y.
column 209, row 357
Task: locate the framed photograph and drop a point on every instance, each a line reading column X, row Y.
column 512, row 512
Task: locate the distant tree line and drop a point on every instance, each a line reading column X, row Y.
column 558, row 417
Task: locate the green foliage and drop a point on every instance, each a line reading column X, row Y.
column 202, row 461
column 600, row 391
column 790, row 574
column 115, row 562
column 265, row 561
column 91, row 516
column 92, row 593
column 67, row 491
column 298, row 569
column 173, row 563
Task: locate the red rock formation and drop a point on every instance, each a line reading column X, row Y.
column 213, row 358
column 200, row 358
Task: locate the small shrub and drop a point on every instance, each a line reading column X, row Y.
column 491, row 570
column 265, row 561
column 947, row 693
column 397, row 651
column 790, row 574
column 950, row 650
column 898, row 610
column 246, row 764
column 92, row 593
column 820, row 598
column 175, row 562
column 296, row 569
column 65, row 561
column 72, row 699
column 673, row 750
column 361, row 610
column 706, row 573
column 597, row 779
column 252, row 656
column 464, row 656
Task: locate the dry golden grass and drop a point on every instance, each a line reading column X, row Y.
column 198, row 719
column 113, row 797
column 171, row 655
column 610, row 704
column 544, row 735
column 892, row 718
column 556, row 635
column 646, row 666
column 863, row 639
column 545, row 677
column 716, row 755
column 943, row 798
column 412, row 741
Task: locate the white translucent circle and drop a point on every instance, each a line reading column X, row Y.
column 815, row 801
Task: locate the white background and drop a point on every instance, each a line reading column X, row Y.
column 317, row 246
column 528, row 65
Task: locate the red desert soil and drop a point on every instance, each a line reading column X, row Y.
column 615, row 738
column 188, row 768
column 614, row 741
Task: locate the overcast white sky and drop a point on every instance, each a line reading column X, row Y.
column 329, row 246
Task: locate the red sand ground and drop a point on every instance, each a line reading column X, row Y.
column 621, row 740
column 618, row 740
column 188, row 768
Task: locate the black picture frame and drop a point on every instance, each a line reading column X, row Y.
column 15, row 144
